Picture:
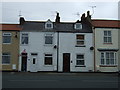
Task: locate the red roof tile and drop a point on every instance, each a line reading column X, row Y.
column 106, row 23
column 10, row 27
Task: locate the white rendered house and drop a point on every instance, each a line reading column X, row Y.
column 56, row 46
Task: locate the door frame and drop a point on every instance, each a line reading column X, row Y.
column 24, row 62
column 66, row 64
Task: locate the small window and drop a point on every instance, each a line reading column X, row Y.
column 107, row 37
column 78, row 26
column 34, row 59
column 49, row 39
column 80, row 40
column 6, row 58
column 6, row 38
column 24, row 38
column 80, row 59
column 48, row 59
column 49, row 24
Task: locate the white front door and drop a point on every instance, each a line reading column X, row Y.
column 33, row 61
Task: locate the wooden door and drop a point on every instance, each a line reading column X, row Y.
column 66, row 62
column 24, row 62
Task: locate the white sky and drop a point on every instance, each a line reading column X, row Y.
column 42, row 11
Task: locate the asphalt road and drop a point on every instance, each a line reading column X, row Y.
column 59, row 80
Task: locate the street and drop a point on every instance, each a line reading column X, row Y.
column 59, row 80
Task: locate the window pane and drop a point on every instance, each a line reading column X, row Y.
column 80, row 56
column 80, row 62
column 6, row 39
column 24, row 39
column 105, row 39
column 109, row 39
column 48, row 39
column 80, row 37
column 49, row 25
column 109, row 33
column 105, row 33
column 102, row 58
column 80, row 42
column 48, row 60
column 5, row 58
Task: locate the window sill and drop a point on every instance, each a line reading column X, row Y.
column 108, row 65
column 48, row 45
column 6, row 43
column 24, row 44
column 107, row 43
column 48, row 65
column 80, row 46
column 80, row 66
column 6, row 64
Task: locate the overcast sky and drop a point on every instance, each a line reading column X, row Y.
column 69, row 11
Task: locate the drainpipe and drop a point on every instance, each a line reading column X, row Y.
column 57, row 50
column 94, row 49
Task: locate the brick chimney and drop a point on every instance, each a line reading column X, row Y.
column 57, row 20
column 88, row 16
column 21, row 20
column 83, row 17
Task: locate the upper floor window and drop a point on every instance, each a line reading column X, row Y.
column 107, row 37
column 108, row 58
column 78, row 26
column 5, row 58
column 6, row 38
column 80, row 40
column 49, row 24
column 48, row 38
column 80, row 60
column 24, row 38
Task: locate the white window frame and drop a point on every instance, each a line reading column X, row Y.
column 107, row 36
column 45, row 55
column 105, row 58
column 77, row 40
column 49, row 35
column 48, row 22
column 24, row 36
column 9, row 55
column 80, row 59
column 80, row 26
column 7, row 34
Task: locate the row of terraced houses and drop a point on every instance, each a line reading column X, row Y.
column 87, row 45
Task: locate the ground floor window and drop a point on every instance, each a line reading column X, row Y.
column 48, row 59
column 80, row 60
column 108, row 58
column 5, row 58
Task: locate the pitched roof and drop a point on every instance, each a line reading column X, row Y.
column 11, row 27
column 106, row 23
column 61, row 27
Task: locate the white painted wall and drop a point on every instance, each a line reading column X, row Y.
column 36, row 45
column 99, row 33
column 67, row 45
column 67, row 42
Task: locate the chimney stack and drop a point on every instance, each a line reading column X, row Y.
column 88, row 16
column 57, row 20
column 83, row 17
column 21, row 20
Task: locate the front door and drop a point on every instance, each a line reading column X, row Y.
column 24, row 62
column 66, row 62
column 33, row 63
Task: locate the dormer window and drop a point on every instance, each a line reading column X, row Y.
column 78, row 26
column 49, row 24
